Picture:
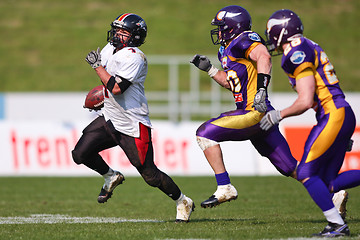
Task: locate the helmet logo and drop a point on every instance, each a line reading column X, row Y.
column 141, row 24
column 222, row 14
column 297, row 57
column 273, row 22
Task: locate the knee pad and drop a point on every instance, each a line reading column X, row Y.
column 205, row 143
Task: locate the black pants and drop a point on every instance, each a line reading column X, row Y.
column 100, row 135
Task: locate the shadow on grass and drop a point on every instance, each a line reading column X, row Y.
column 219, row 220
column 348, row 221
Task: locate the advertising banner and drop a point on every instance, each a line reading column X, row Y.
column 38, row 142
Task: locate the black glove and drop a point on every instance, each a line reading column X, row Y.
column 201, row 62
column 350, row 145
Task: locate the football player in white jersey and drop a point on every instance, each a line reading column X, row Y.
column 122, row 69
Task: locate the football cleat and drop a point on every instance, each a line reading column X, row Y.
column 340, row 199
column 184, row 208
column 110, row 184
column 334, row 230
column 224, row 193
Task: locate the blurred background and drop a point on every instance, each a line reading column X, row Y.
column 44, row 42
column 44, row 77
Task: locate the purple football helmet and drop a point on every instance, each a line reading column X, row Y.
column 230, row 21
column 283, row 26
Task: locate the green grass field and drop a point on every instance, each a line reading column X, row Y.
column 44, row 42
column 267, row 208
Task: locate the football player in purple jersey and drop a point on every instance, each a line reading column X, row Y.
column 313, row 76
column 246, row 72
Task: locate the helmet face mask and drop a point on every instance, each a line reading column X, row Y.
column 272, row 49
column 132, row 23
column 283, row 26
column 118, row 39
column 230, row 21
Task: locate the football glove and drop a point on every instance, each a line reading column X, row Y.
column 270, row 119
column 94, row 58
column 201, row 62
column 259, row 100
column 350, row 145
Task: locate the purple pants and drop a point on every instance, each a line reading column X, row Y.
column 241, row 125
column 326, row 145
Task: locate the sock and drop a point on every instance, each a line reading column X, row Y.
column 109, row 173
column 180, row 198
column 346, row 180
column 222, row 178
column 319, row 193
column 332, row 215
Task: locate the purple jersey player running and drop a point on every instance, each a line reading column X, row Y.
column 247, row 65
column 313, row 77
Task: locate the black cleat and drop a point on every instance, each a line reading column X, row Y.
column 334, row 230
column 224, row 193
column 104, row 196
column 213, row 202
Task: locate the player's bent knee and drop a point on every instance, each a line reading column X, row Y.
column 205, row 143
column 76, row 157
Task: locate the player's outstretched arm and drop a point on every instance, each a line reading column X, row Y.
column 203, row 63
column 116, row 85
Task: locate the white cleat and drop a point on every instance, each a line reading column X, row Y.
column 340, row 199
column 111, row 182
column 224, row 193
column 184, row 207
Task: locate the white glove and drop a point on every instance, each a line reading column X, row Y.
column 94, row 58
column 270, row 119
column 259, row 100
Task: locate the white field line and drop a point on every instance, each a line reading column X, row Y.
column 58, row 218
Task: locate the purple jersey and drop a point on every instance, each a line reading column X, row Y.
column 303, row 53
column 243, row 123
column 240, row 69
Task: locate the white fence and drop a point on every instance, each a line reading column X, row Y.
column 176, row 105
column 39, row 130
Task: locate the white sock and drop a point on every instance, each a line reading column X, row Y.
column 180, row 198
column 109, row 173
column 332, row 215
column 224, row 186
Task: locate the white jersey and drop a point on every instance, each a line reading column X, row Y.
column 130, row 108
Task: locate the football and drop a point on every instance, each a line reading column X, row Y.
column 95, row 98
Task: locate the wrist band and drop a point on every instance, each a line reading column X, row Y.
column 263, row 80
column 212, row 71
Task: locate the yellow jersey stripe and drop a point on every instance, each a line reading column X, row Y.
column 327, row 137
column 239, row 121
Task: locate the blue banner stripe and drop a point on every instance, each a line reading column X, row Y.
column 2, row 106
